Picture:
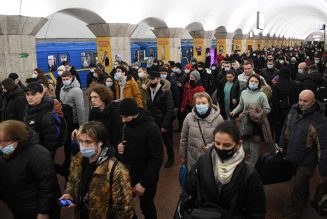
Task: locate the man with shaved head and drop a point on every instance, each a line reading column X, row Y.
column 304, row 139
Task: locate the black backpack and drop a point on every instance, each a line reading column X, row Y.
column 321, row 94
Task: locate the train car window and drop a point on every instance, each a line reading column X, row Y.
column 88, row 58
column 142, row 55
column 151, row 52
column 136, row 56
column 52, row 62
column 63, row 58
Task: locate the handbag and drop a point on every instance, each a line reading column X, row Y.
column 182, row 175
column 246, row 127
column 208, row 211
column 320, row 199
column 274, row 168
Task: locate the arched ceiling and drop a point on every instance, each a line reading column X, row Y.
column 284, row 18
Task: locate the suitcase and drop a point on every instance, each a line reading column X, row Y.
column 274, row 168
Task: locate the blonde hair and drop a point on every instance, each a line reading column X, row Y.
column 203, row 94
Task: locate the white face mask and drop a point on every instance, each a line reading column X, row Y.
column 34, row 75
column 187, row 71
column 60, row 73
column 300, row 70
column 141, row 74
column 109, row 83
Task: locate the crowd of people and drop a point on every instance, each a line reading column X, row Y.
column 116, row 152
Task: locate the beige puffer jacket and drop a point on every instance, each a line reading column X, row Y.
column 191, row 142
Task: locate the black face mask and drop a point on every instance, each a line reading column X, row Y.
column 153, row 85
column 225, row 154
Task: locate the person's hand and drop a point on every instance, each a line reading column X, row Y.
column 121, row 147
column 232, row 114
column 67, row 196
column 179, row 84
column 234, row 101
column 163, row 130
column 74, row 133
column 205, row 147
column 138, row 189
column 144, row 86
column 42, row 216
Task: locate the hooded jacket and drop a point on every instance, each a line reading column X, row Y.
column 13, row 105
column 28, row 181
column 131, row 90
column 304, row 137
column 162, row 106
column 73, row 96
column 40, row 119
column 191, row 143
column 189, row 92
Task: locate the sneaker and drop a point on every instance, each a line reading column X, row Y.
column 169, row 163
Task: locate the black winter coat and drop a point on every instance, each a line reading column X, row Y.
column 304, row 137
column 208, row 82
column 313, row 81
column 245, row 185
column 234, row 94
column 28, row 182
column 269, row 74
column 143, row 150
column 162, row 106
column 40, row 119
column 175, row 91
column 13, row 105
column 110, row 117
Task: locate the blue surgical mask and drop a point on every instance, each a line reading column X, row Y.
column 164, row 76
column 213, row 68
column 202, row 108
column 253, row 86
column 88, row 151
column 118, row 76
column 109, row 84
column 8, row 149
column 67, row 83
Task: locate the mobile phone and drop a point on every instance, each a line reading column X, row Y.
column 65, row 202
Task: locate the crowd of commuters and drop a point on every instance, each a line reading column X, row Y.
column 115, row 153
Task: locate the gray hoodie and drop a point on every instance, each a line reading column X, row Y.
column 73, row 96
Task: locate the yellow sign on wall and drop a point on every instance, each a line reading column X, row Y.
column 249, row 44
column 198, row 49
column 237, row 45
column 104, row 52
column 259, row 44
column 221, row 46
column 163, row 49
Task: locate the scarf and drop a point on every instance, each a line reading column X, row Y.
column 223, row 171
column 122, row 84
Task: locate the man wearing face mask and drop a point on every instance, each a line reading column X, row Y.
column 320, row 64
column 305, row 141
column 90, row 76
column 141, row 150
column 164, row 74
column 59, row 84
column 142, row 83
column 281, row 62
column 161, row 106
column 207, row 80
column 222, row 72
column 269, row 72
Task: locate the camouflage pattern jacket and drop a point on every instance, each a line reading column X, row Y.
column 99, row 189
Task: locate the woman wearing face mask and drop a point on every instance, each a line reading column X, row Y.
column 28, row 182
column 228, row 92
column 198, row 127
column 90, row 187
column 253, row 95
column 223, row 179
column 110, row 84
column 126, row 86
column 192, row 87
column 39, row 75
column 142, row 83
column 106, row 111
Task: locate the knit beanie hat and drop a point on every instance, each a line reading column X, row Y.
column 128, row 107
column 196, row 75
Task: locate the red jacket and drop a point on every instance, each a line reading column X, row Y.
column 189, row 92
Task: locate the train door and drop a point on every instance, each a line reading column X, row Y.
column 63, row 57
